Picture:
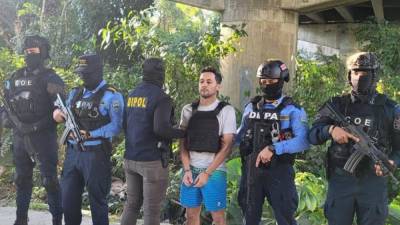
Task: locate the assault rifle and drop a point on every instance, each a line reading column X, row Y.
column 70, row 125
column 364, row 147
column 22, row 128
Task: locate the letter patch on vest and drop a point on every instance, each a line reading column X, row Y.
column 137, row 102
column 23, row 83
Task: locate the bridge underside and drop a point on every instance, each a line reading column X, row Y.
column 272, row 27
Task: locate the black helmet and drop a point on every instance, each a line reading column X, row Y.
column 36, row 41
column 273, row 69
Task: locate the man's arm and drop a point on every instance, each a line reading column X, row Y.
column 320, row 130
column 115, row 106
column 162, row 125
column 299, row 142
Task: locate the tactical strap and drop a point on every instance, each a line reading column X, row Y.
column 217, row 110
column 258, row 102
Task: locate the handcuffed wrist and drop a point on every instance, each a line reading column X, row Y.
column 331, row 128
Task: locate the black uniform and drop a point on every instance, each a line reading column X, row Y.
column 30, row 95
column 364, row 194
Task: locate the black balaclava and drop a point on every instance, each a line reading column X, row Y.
column 90, row 69
column 272, row 91
column 153, row 71
column 363, row 88
column 362, row 84
column 36, row 60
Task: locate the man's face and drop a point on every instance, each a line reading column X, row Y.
column 208, row 86
column 268, row 81
column 34, row 50
column 358, row 73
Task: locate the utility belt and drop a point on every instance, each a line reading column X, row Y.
column 105, row 144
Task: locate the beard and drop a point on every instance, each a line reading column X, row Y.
column 206, row 94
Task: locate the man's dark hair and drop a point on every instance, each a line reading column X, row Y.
column 218, row 76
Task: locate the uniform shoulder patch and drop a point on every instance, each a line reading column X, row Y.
column 116, row 105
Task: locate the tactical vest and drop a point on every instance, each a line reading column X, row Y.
column 375, row 119
column 28, row 97
column 203, row 129
column 140, row 139
column 264, row 129
column 87, row 110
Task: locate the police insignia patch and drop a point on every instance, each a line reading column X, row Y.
column 396, row 123
column 115, row 106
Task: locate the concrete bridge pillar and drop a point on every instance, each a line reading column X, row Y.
column 272, row 33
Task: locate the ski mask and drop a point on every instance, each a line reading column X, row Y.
column 272, row 91
column 90, row 70
column 362, row 85
column 153, row 71
column 35, row 60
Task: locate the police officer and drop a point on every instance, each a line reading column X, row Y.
column 30, row 93
column 98, row 110
column 272, row 130
column 148, row 133
column 365, row 192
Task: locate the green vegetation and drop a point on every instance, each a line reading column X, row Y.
column 126, row 32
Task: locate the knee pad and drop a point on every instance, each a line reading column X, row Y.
column 51, row 183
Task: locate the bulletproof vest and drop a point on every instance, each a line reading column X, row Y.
column 140, row 139
column 375, row 119
column 27, row 95
column 87, row 110
column 264, row 129
column 203, row 129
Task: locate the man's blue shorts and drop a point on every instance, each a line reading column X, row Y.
column 213, row 193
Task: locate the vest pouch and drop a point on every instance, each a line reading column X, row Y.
column 202, row 141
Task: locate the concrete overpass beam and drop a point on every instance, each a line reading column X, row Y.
column 272, row 33
column 345, row 13
column 306, row 6
column 377, row 5
column 215, row 5
column 316, row 17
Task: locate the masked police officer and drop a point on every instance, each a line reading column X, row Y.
column 30, row 93
column 148, row 133
column 98, row 110
column 363, row 193
column 272, row 130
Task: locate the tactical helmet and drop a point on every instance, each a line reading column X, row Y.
column 273, row 69
column 364, row 61
column 36, row 41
